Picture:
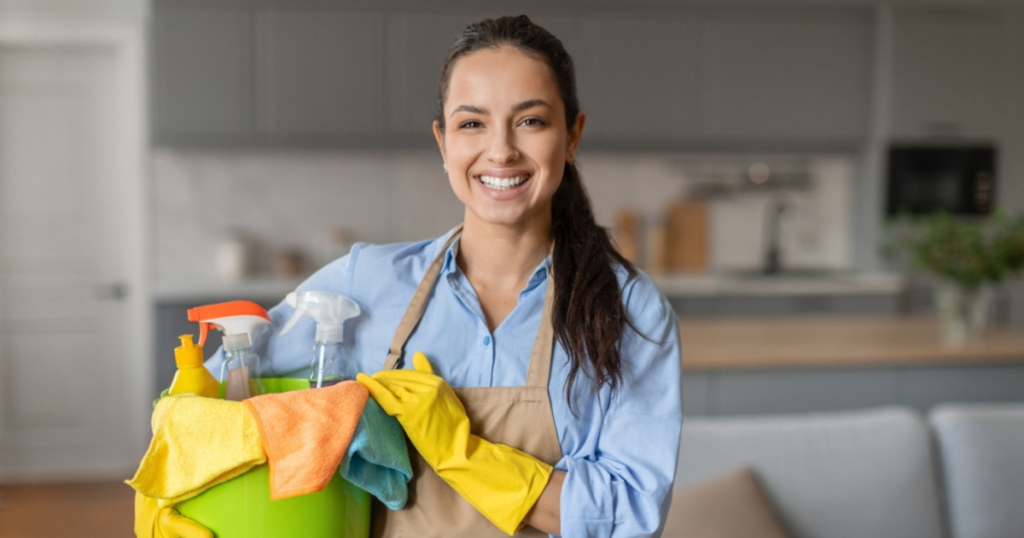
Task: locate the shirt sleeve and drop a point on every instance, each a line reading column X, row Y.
column 290, row 355
column 623, row 487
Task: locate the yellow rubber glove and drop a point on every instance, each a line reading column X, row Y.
column 151, row 521
column 502, row 483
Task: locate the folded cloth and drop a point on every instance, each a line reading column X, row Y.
column 306, row 434
column 197, row 443
column 378, row 458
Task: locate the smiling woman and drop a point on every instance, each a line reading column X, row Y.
column 544, row 395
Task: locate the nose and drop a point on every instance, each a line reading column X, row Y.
column 502, row 148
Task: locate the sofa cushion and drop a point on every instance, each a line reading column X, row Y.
column 731, row 505
column 982, row 453
column 838, row 475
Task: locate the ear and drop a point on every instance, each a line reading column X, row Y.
column 439, row 136
column 574, row 137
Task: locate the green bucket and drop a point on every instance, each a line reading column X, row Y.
column 241, row 507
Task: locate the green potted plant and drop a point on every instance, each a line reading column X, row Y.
column 968, row 257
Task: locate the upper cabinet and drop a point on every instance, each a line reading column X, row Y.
column 202, row 86
column 320, row 75
column 948, row 66
column 643, row 81
column 788, row 75
column 240, row 75
column 266, row 72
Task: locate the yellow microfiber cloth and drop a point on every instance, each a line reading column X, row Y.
column 306, row 433
column 197, row 443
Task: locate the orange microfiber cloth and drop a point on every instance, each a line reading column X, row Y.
column 306, row 433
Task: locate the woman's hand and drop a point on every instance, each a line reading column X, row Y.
column 502, row 483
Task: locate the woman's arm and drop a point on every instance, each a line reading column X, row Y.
column 619, row 471
column 546, row 515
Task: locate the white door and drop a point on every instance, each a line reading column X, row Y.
column 65, row 404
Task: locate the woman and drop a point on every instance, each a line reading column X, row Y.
column 567, row 414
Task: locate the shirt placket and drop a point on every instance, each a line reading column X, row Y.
column 483, row 346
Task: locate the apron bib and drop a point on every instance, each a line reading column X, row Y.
column 519, row 417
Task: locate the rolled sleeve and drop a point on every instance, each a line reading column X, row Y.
column 622, row 485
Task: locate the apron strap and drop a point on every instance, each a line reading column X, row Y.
column 541, row 356
column 416, row 307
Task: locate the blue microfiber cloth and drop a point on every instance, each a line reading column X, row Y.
column 378, row 458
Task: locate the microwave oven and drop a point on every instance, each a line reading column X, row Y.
column 957, row 179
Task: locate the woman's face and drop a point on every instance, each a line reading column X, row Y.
column 505, row 143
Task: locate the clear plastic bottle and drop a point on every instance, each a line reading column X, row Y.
column 240, row 373
column 328, row 366
column 329, row 310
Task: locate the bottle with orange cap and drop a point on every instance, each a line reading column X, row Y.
column 240, row 372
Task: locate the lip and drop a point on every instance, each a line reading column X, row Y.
column 508, row 194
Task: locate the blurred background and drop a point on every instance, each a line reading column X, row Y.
column 157, row 155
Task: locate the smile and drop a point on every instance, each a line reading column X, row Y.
column 503, row 183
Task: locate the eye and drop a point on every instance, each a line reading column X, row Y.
column 470, row 124
column 532, row 122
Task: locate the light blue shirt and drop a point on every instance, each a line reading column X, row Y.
column 619, row 449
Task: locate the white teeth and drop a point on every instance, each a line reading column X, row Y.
column 502, row 183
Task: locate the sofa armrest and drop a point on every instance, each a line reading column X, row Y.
column 982, row 452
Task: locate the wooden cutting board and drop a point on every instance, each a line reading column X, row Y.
column 686, row 237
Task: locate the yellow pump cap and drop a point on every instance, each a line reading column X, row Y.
column 188, row 354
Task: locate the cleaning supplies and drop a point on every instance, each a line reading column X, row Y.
column 197, row 443
column 329, row 310
column 192, row 377
column 152, row 521
column 240, row 372
column 378, row 457
column 306, row 434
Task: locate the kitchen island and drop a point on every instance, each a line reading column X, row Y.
column 785, row 365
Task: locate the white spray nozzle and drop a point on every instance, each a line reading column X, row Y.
column 328, row 309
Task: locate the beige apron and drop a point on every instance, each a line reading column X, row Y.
column 516, row 416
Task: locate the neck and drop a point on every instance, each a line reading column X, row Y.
column 501, row 256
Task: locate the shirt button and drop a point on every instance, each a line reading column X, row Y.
column 487, row 340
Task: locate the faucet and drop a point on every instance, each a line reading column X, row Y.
column 773, row 252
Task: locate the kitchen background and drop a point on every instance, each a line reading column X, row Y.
column 253, row 140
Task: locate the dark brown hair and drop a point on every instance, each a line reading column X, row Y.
column 589, row 317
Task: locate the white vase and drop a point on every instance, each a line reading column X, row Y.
column 963, row 312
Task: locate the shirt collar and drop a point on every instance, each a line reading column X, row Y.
column 451, row 267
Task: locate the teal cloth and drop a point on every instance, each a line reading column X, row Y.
column 377, row 459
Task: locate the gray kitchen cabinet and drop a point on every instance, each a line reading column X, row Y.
column 418, row 43
column 203, row 88
column 786, row 75
column 644, row 81
column 947, row 71
column 320, row 75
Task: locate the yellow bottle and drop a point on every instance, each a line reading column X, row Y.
column 192, row 377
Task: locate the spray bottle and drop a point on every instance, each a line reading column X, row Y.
column 240, row 372
column 329, row 310
column 192, row 377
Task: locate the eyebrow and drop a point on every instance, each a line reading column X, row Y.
column 517, row 108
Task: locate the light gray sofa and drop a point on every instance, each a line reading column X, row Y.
column 876, row 473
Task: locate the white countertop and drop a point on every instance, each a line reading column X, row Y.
column 272, row 290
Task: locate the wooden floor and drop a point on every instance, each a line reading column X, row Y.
column 89, row 510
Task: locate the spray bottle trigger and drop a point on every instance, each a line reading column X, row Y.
column 203, row 329
column 291, row 322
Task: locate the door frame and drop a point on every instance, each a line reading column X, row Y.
column 126, row 37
